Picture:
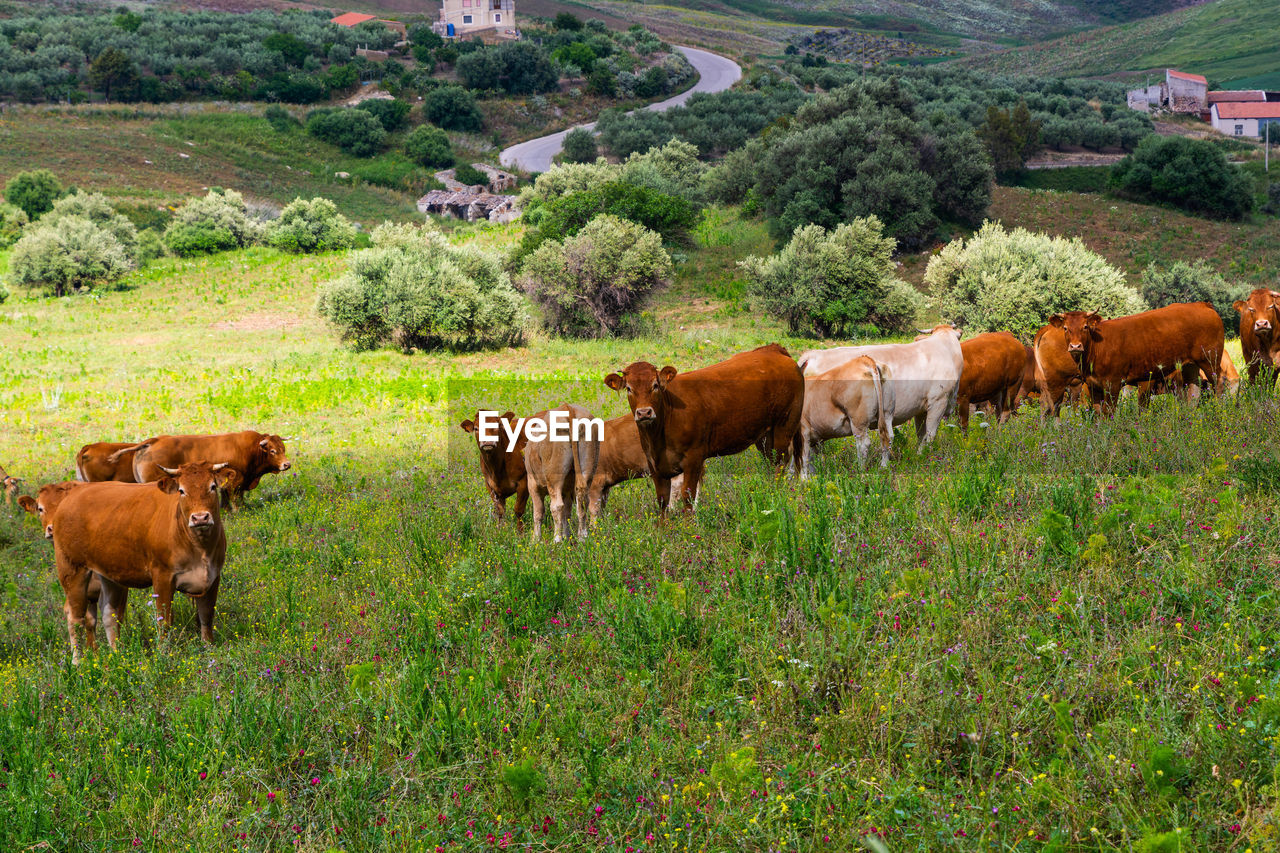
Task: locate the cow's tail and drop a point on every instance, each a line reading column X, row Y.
column 80, row 475
column 884, row 419
column 115, row 457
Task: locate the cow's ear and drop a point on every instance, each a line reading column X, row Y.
column 264, row 444
column 1240, row 305
column 225, row 477
column 28, row 503
column 615, row 382
column 468, row 425
column 666, row 374
column 1093, row 319
column 509, row 417
column 168, row 485
column 1056, row 321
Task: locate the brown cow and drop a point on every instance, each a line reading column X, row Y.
column 1056, row 371
column 250, row 453
column 106, row 462
column 562, row 470
column 10, row 486
column 685, row 419
column 1184, row 338
column 994, row 364
column 43, row 506
column 621, row 459
column 502, row 468
column 1260, row 332
column 168, row 535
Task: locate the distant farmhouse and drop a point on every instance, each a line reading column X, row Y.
column 1239, row 112
column 460, row 18
column 1179, row 93
column 1245, row 118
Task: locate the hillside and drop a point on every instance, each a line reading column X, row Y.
column 1232, row 42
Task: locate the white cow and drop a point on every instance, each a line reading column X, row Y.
column 921, row 377
column 849, row 399
column 562, row 470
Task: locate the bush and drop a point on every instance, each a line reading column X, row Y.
column 567, row 22
column 470, row 175
column 218, row 222
column 150, row 247
column 67, row 254
column 1196, row 282
column 453, row 108
column 826, row 283
column 280, row 119
column 430, row 147
column 673, row 169
column 566, row 178
column 12, row 220
column 354, row 131
column 414, row 289
column 96, row 208
column 1192, row 174
column 311, row 226
column 579, row 146
column 593, row 284
column 34, row 192
column 391, row 113
column 1015, row 280
column 518, row 68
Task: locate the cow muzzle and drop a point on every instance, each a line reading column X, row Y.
column 200, row 519
column 286, row 465
column 646, row 415
column 48, row 531
column 1262, row 327
column 488, row 446
column 1075, row 348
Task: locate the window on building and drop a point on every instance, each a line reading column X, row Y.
column 497, row 17
column 1239, row 130
column 466, row 19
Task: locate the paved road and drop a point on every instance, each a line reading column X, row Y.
column 715, row 74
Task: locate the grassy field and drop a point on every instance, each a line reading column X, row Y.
column 1232, row 42
column 1031, row 638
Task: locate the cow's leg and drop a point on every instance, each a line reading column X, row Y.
column 862, row 438
column 692, row 479
column 539, row 509
column 921, row 435
column 662, row 490
column 499, row 507
column 114, row 599
column 75, row 585
column 164, row 599
column 560, row 507
column 204, row 610
column 522, row 500
column 962, row 413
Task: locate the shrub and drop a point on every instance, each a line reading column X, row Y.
column 1015, row 280
column 34, row 192
column 280, row 119
column 150, row 247
column 566, row 178
column 218, row 222
column 579, row 146
column 826, row 282
column 430, row 147
column 593, row 283
column 1192, row 174
column 354, row 131
column 1195, row 282
column 415, row 289
column 453, row 108
column 470, row 175
column 12, row 220
column 479, row 69
column 518, row 68
column 96, row 208
column 391, row 113
column 673, row 169
column 67, row 254
column 311, row 226
column 567, row 22
column 669, row 215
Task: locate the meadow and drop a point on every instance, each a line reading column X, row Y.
column 1033, row 637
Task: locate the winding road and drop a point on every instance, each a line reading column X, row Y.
column 715, row 74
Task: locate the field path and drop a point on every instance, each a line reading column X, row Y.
column 715, row 74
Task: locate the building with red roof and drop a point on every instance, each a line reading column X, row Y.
column 1245, row 118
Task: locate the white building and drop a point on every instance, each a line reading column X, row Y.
column 460, row 18
column 1245, row 118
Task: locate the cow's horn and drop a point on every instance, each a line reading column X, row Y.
column 286, row 438
column 925, row 331
column 172, row 472
column 220, row 466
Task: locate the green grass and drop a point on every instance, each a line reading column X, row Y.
column 1079, row 179
column 1031, row 638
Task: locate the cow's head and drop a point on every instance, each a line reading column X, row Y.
column 197, row 485
column 1080, row 329
column 45, row 503
column 646, row 388
column 1261, row 311
column 272, row 448
column 491, row 444
column 10, row 486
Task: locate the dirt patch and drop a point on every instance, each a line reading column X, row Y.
column 257, row 323
column 1062, row 159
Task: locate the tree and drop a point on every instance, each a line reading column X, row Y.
column 311, row 226
column 526, row 68
column 391, row 113
column 1010, row 136
column 453, row 108
column 112, row 69
column 13, row 220
column 592, row 284
column 1192, row 174
column 579, row 146
column 1014, row 280
column 354, row 131
column 567, row 22
column 217, row 222
column 429, row 146
column 480, row 69
column 293, row 49
column 96, row 208
column 34, row 191
column 1165, row 284
column 415, row 289
column 67, row 255
column 825, row 283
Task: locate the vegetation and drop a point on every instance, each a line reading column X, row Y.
column 470, row 175
column 1165, row 284
column 311, row 226
column 1013, row 280
column 95, row 208
column 829, row 284
column 429, row 146
column 416, row 291
column 580, row 146
column 391, row 113
column 353, row 130
column 12, row 220
column 33, row 192
column 452, row 108
column 217, row 222
column 1192, row 174
column 67, row 254
column 595, row 283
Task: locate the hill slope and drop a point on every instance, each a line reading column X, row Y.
column 1229, row 41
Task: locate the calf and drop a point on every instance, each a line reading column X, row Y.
column 250, row 453
column 849, row 399
column 10, row 487
column 1260, row 332
column 168, row 535
column 994, row 368
column 502, row 468
column 922, row 378
column 107, row 462
column 43, row 506
column 1147, row 347
column 1056, row 372
column 562, row 470
column 685, row 419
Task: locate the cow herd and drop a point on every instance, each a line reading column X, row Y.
column 148, row 514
